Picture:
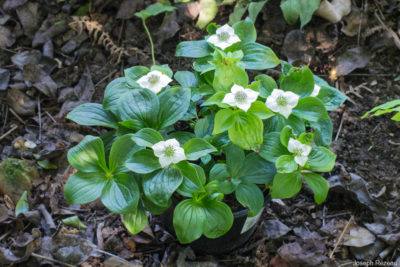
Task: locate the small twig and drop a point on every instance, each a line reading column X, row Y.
column 51, row 259
column 40, row 119
column 8, row 50
column 8, row 132
column 5, row 119
column 51, row 117
column 6, row 234
column 16, row 115
column 49, row 220
column 340, row 127
column 395, row 37
column 105, row 78
column 99, row 235
column 359, row 26
column 110, row 254
column 341, row 237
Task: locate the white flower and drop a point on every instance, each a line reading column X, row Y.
column 315, row 92
column 224, row 37
column 282, row 102
column 300, row 151
column 154, row 80
column 240, row 97
column 168, row 152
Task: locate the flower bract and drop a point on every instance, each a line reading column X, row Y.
column 315, row 92
column 224, row 37
column 300, row 151
column 168, row 152
column 282, row 102
column 240, row 97
column 154, row 81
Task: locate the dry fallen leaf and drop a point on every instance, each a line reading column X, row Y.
column 358, row 237
column 334, row 10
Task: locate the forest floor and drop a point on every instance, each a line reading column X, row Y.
column 47, row 69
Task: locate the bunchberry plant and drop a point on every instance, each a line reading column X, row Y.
column 189, row 139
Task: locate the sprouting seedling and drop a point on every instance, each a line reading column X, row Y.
column 152, row 10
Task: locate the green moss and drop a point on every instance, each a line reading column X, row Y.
column 15, row 177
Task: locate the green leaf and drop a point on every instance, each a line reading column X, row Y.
column 134, row 73
column 219, row 219
column 321, row 159
column 121, row 150
column 311, row 109
column 384, row 108
column 143, row 161
column 188, row 221
column 197, row 148
column 186, row 79
column 258, row 57
column 286, row 134
column 238, row 12
column 306, row 138
column 93, row 114
column 331, row 97
column 153, row 208
column 259, row 109
column 203, row 65
column 234, row 160
column 22, row 204
column 286, row 185
column 83, row 10
column 204, row 127
column 192, row 182
column 193, row 49
column 121, row 194
column 147, row 137
column 46, row 164
column 207, row 13
column 286, row 164
column 227, row 74
column 216, row 99
column 299, row 81
column 88, row 155
column 293, row 9
column 154, row 10
column 160, row 185
column 181, row 137
column 75, row 222
column 219, row 172
column 135, row 222
column 174, row 104
column 318, row 185
column 268, row 84
column 144, row 111
column 246, row 31
column 224, row 119
column 251, row 197
column 323, row 130
column 114, row 91
column 247, row 131
column 164, row 69
column 255, row 8
column 272, row 149
column 83, row 187
column 256, row 170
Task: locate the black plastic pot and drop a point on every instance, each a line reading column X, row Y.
column 241, row 231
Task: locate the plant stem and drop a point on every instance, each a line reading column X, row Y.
column 151, row 41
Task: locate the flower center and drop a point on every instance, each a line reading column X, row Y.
column 240, row 97
column 281, row 101
column 297, row 152
column 223, row 36
column 169, row 151
column 153, row 79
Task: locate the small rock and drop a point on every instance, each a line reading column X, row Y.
column 4, row 79
column 275, row 229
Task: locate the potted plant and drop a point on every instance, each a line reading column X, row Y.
column 201, row 141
